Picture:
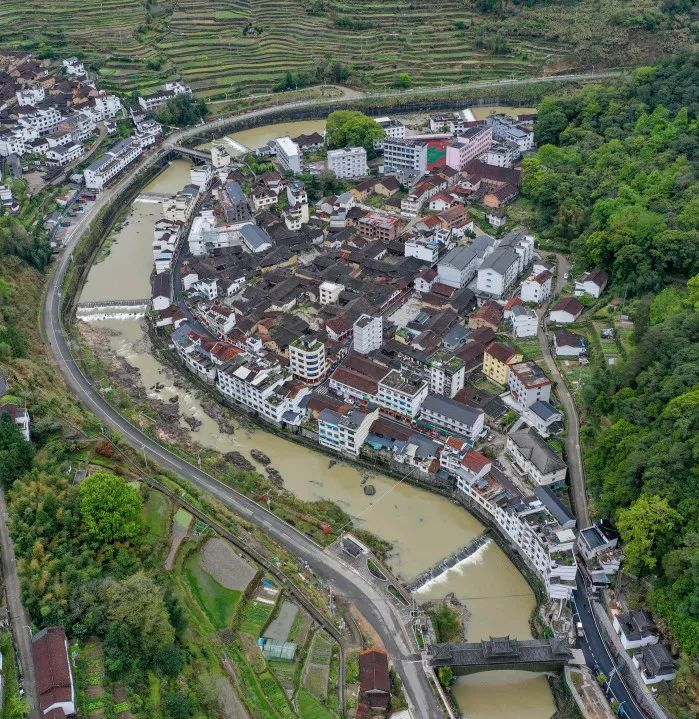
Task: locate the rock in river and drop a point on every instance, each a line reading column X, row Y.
column 259, row 456
column 239, row 461
column 369, row 490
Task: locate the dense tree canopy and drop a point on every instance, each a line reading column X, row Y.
column 111, row 509
column 351, row 128
column 182, row 111
column 16, row 454
column 615, row 178
column 642, row 456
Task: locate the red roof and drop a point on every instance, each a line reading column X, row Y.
column 475, row 461
column 374, row 681
column 439, row 288
column 502, row 353
column 513, row 302
column 542, row 277
column 456, row 443
column 355, row 380
column 570, row 305
column 50, row 655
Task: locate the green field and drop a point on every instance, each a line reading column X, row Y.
column 256, row 616
column 157, row 511
column 311, row 708
column 218, row 602
column 228, row 46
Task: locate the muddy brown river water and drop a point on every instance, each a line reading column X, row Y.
column 422, row 527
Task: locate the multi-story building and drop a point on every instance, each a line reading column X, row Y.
column 205, row 236
column 402, row 395
column 525, row 322
column 201, row 175
column 43, row 120
column 345, row 432
column 379, row 226
column 358, row 378
column 348, row 163
column 31, row 96
column 452, row 416
column 288, row 154
column 498, row 273
column 498, row 360
column 367, row 335
column 425, row 248
column 447, row 374
column 537, row 288
column 458, row 267
column 501, row 154
column 394, row 129
column 468, row 145
column 179, row 207
column 235, row 207
column 307, row 359
column 73, row 66
column 259, row 386
column 101, row 171
column 329, row 292
column 591, row 283
column 12, row 143
column 158, row 99
column 405, row 155
column 62, row 155
column 522, row 244
column 506, row 129
column 533, row 456
column 529, row 384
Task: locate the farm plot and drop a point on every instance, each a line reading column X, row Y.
column 218, row 602
column 228, row 568
column 280, row 626
column 157, row 513
column 310, row 708
column 180, row 527
column 317, row 669
column 255, row 617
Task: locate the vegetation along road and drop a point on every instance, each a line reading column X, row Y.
column 373, row 605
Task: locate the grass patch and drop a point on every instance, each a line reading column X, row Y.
column 183, row 518
column 157, row 512
column 218, row 603
column 311, row 708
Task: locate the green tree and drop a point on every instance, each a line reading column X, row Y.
column 646, row 528
column 182, row 110
column 169, row 660
column 446, row 676
column 351, row 128
column 402, row 80
column 178, row 706
column 16, row 454
column 138, row 603
column 111, row 509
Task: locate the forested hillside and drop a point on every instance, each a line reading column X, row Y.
column 618, row 183
column 618, row 187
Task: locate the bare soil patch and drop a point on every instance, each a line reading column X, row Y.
column 230, row 570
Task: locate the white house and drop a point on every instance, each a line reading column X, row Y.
column 255, row 238
column 288, row 154
column 525, row 322
column 402, row 395
column 307, row 359
column 19, row 416
column 535, row 458
column 655, row 663
column 345, row 432
column 498, row 272
column 568, row 344
column 636, row 629
column 458, row 267
column 537, row 288
column 424, row 248
column 591, row 283
column 528, row 383
column 54, row 676
column 329, row 292
column 447, row 374
column 161, row 291
column 367, row 334
column 566, row 311
column 453, row 416
column 348, row 163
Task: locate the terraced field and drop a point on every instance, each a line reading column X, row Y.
column 245, row 46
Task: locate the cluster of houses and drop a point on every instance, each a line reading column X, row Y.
column 367, row 333
column 49, row 112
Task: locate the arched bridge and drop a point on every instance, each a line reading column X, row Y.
column 534, row 655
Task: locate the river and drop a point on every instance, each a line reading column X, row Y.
column 422, row 527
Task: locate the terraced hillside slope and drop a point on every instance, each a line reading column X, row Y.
column 244, row 46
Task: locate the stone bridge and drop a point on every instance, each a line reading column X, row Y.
column 533, row 655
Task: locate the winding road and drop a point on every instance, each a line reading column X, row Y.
column 345, row 580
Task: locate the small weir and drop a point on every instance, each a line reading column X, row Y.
column 448, row 562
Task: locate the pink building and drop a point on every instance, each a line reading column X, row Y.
column 468, row 146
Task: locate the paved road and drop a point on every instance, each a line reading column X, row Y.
column 18, row 617
column 576, row 470
column 596, row 653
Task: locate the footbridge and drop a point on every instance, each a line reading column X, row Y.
column 191, row 152
column 533, row 655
